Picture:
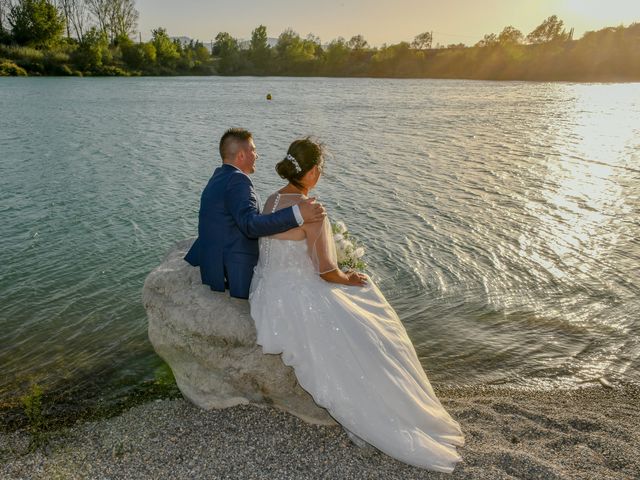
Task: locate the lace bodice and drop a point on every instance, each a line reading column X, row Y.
column 284, row 255
column 320, row 248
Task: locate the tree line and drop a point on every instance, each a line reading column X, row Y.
column 98, row 37
column 90, row 37
column 549, row 52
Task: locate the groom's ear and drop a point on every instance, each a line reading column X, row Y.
column 245, row 148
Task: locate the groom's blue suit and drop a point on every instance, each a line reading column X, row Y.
column 229, row 225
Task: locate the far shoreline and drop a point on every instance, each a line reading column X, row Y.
column 466, row 79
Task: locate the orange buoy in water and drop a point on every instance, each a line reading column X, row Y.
column 268, row 96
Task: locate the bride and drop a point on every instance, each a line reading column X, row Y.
column 346, row 344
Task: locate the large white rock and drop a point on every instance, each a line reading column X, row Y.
column 209, row 341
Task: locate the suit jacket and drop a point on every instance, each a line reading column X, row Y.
column 229, row 224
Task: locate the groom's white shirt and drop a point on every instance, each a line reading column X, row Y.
column 296, row 209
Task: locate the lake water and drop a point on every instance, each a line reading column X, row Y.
column 501, row 220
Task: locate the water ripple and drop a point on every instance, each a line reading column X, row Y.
column 500, row 219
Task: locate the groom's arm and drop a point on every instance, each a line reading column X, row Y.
column 243, row 204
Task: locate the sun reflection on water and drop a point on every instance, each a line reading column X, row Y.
column 583, row 199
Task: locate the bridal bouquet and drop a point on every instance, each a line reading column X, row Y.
column 349, row 252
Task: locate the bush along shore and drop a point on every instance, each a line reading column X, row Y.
column 101, row 58
column 38, row 37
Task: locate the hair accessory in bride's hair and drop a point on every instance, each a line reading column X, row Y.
column 293, row 160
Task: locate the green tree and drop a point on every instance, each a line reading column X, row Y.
column 259, row 38
column 357, row 42
column 294, row 54
column 396, row 60
column 179, row 47
column 202, row 61
column 336, row 56
column 200, row 52
column 138, row 56
column 123, row 18
column 259, row 51
column 552, row 29
column 422, row 41
column 225, row 44
column 195, row 58
column 76, row 15
column 93, row 51
column 100, row 10
column 227, row 49
column 510, row 36
column 36, row 22
column 313, row 44
column 489, row 40
column 166, row 51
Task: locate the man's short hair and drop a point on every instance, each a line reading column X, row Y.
column 230, row 139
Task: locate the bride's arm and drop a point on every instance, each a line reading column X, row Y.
column 322, row 250
column 349, row 278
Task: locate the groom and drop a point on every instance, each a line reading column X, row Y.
column 230, row 223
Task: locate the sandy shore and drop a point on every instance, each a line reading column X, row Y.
column 591, row 433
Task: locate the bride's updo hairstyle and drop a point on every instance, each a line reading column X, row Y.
column 301, row 157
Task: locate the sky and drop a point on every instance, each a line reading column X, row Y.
column 389, row 21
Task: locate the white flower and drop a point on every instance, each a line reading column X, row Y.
column 341, row 227
column 348, row 251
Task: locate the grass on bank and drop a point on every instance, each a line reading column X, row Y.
column 32, row 405
column 10, row 69
column 59, row 61
column 46, row 414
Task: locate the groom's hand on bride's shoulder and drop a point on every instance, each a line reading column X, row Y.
column 311, row 210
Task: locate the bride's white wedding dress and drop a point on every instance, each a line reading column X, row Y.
column 349, row 349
